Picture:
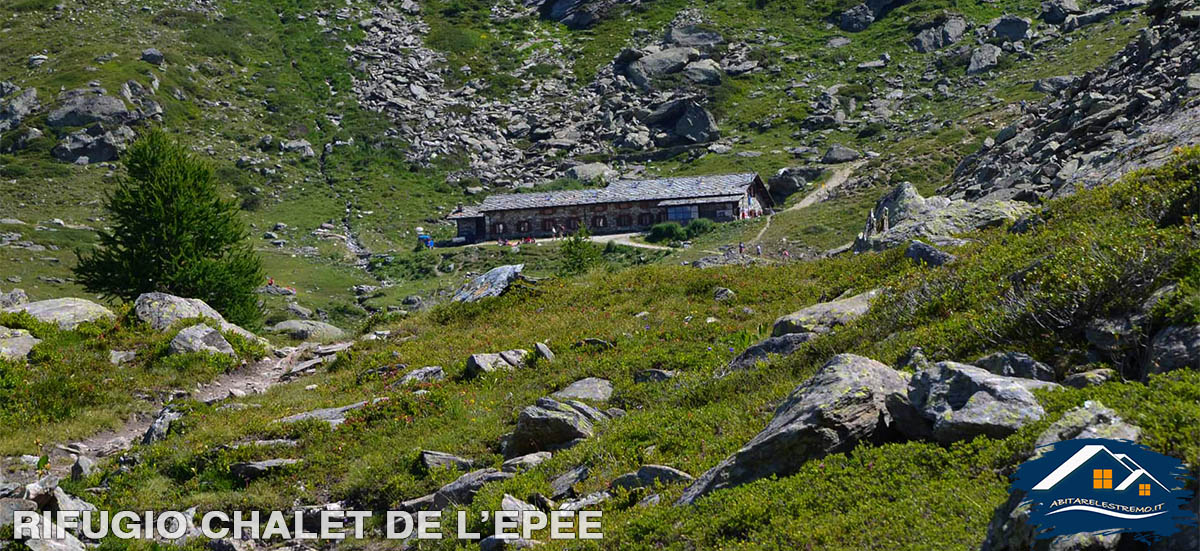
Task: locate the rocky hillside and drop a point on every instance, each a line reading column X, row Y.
column 962, row 266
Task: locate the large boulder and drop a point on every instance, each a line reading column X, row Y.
column 68, row 313
column 825, row 316
column 856, row 19
column 665, row 62
column 959, row 402
column 1016, row 364
column 1056, row 12
column 94, row 144
column 1009, row 28
column 15, row 344
column 551, row 425
column 696, row 125
column 841, row 406
column 939, row 36
column 783, row 345
column 1175, row 347
column 84, row 107
column 200, row 338
column 703, row 71
column 333, row 416
column 308, row 330
column 592, row 172
column 934, row 219
column 983, row 59
column 491, row 284
column 838, row 153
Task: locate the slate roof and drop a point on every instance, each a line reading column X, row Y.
column 679, row 188
column 700, row 200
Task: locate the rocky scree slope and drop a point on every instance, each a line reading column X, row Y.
column 1132, row 113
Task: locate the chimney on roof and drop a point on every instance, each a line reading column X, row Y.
column 459, row 208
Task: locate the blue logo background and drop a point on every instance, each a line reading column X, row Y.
column 1075, row 486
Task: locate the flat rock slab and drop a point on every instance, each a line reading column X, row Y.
column 256, row 469
column 68, row 313
column 592, row 389
column 462, row 491
column 783, row 345
column 333, row 416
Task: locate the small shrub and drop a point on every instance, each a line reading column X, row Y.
column 698, row 227
column 666, row 231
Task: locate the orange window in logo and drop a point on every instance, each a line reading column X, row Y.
column 1143, row 489
column 1102, row 479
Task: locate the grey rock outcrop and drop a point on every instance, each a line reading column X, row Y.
column 550, row 425
column 927, row 255
column 842, row 405
column 983, row 59
column 939, row 36
column 462, row 491
column 84, row 107
column 934, row 219
column 959, row 401
column 491, row 284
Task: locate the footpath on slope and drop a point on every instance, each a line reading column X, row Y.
column 253, row 378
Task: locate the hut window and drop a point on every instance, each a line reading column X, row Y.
column 599, row 222
column 524, row 226
column 624, row 220
column 645, row 219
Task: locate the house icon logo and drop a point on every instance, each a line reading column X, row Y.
column 1105, row 487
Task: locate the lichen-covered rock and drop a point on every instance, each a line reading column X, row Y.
column 523, row 463
column 491, row 284
column 68, row 313
column 1016, row 364
column 959, row 402
column 551, row 425
column 15, row 344
column 441, row 460
column 200, row 338
column 842, row 405
column 934, row 219
column 823, row 317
